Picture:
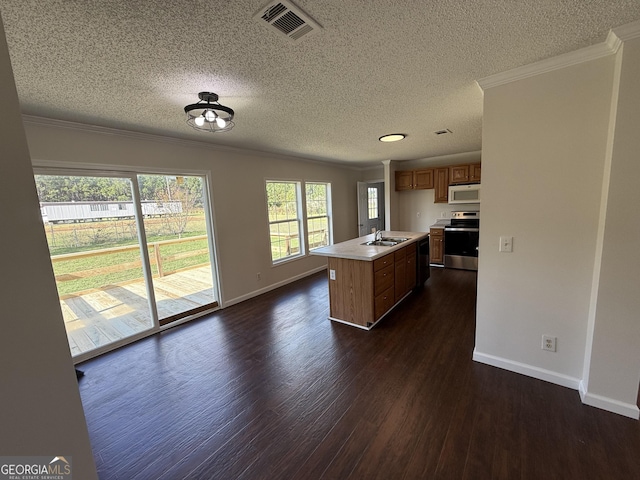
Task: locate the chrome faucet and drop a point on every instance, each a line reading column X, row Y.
column 378, row 236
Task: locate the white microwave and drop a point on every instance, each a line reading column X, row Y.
column 464, row 193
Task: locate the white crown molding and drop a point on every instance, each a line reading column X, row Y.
column 628, row 31
column 88, row 128
column 36, row 121
column 474, row 156
column 548, row 65
column 614, row 41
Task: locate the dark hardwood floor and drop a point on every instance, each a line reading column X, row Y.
column 270, row 389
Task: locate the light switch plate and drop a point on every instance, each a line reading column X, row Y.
column 506, row 244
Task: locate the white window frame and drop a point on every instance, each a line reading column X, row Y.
column 299, row 220
column 328, row 216
column 44, row 167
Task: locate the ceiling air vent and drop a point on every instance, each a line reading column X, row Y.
column 287, row 19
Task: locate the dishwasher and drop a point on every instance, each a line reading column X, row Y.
column 423, row 262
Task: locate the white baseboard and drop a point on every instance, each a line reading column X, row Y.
column 605, row 403
column 528, row 370
column 593, row 400
column 255, row 293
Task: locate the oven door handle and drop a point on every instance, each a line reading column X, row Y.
column 461, row 229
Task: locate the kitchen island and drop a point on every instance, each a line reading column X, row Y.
column 367, row 280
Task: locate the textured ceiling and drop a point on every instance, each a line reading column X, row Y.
column 376, row 67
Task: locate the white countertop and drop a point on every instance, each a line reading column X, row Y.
column 354, row 250
column 441, row 223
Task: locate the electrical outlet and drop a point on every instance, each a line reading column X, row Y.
column 332, row 274
column 418, row 214
column 548, row 343
column 258, row 276
column 443, row 214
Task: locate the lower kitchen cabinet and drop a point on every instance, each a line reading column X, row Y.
column 405, row 271
column 436, row 247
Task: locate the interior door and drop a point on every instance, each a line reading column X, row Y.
column 370, row 207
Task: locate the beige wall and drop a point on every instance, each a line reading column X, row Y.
column 40, row 409
column 546, row 144
column 612, row 370
column 542, row 176
column 372, row 174
column 238, row 193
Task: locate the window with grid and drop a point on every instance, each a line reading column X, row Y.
column 285, row 219
column 372, row 203
column 318, row 205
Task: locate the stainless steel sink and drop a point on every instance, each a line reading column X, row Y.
column 394, row 239
column 385, row 242
column 380, row 243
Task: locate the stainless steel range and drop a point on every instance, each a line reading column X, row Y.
column 461, row 240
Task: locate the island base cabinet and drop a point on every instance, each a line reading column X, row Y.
column 405, row 275
column 351, row 293
column 362, row 292
column 384, row 302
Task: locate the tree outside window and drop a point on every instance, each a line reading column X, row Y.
column 285, row 220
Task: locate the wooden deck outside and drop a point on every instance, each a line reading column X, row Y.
column 104, row 316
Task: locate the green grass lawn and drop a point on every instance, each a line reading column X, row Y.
column 125, row 273
column 97, row 236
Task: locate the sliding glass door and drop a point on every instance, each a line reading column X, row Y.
column 178, row 244
column 130, row 253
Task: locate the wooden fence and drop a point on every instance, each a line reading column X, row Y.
column 155, row 257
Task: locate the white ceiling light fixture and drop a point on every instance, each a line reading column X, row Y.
column 208, row 115
column 392, row 137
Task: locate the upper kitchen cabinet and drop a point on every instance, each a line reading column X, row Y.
column 404, row 180
column 474, row 173
column 438, row 178
column 423, row 179
column 464, row 174
column 414, row 179
column 441, row 185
